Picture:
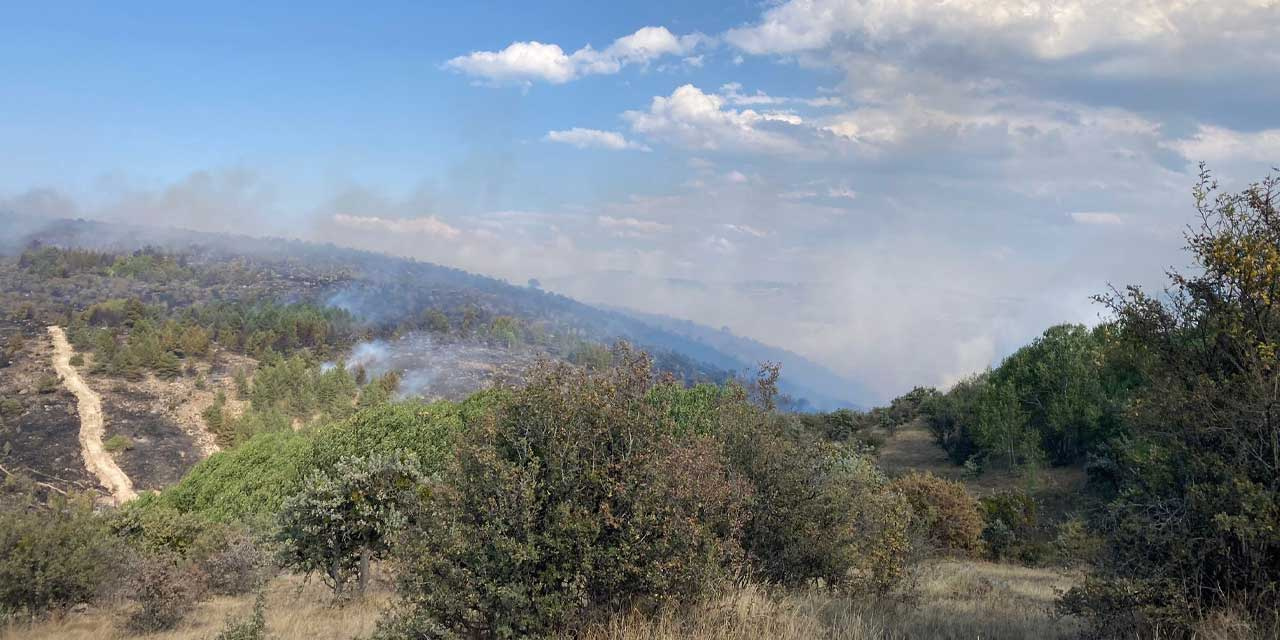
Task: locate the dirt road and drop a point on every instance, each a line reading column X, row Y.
column 96, row 459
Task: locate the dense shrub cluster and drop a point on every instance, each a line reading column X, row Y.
column 1057, row 399
column 946, row 512
column 1195, row 524
column 588, row 492
column 161, row 562
column 575, row 496
column 54, row 558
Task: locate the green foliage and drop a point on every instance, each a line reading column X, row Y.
column 48, row 384
column 436, row 322
column 847, row 425
column 54, row 558
column 1196, row 521
column 52, row 262
column 424, row 430
column 591, row 355
column 253, row 627
column 949, row 515
column 250, row 481
column 245, row 484
column 818, row 511
column 1061, row 397
column 214, row 415
column 118, row 443
column 573, row 498
column 345, row 516
column 1010, row 520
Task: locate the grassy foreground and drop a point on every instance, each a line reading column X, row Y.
column 955, row 599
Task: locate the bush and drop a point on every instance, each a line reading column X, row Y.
column 229, row 561
column 949, row 515
column 1195, row 525
column 54, row 558
column 164, row 590
column 573, row 499
column 252, row 628
column 118, row 443
column 345, row 517
column 232, row 563
column 820, row 511
column 246, row 484
column 1009, row 521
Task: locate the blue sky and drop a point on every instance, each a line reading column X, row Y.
column 927, row 184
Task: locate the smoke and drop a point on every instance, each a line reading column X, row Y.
column 433, row 368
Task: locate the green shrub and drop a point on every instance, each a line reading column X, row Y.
column 10, row 407
column 246, row 484
column 118, row 443
column 54, row 558
column 949, row 515
column 819, row 512
column 1009, row 519
column 573, row 499
column 346, row 516
column 1195, row 525
column 77, row 360
column 48, row 384
column 1074, row 544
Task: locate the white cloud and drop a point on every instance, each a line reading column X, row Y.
column 732, row 93
column 692, row 118
column 1096, row 217
column 1120, row 32
column 430, row 225
column 1217, row 145
column 588, row 138
column 632, row 224
column 526, row 62
column 736, row 177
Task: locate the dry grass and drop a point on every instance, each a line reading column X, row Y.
column 911, row 448
column 294, row 610
column 955, row 600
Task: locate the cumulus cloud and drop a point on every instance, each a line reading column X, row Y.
column 1217, row 145
column 694, row 119
column 526, row 62
column 1116, row 30
column 594, row 138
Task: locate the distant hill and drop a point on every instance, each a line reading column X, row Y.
column 802, row 377
column 385, row 291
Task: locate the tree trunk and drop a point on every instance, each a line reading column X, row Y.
column 336, row 573
column 364, row 569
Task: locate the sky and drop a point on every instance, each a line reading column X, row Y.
column 903, row 191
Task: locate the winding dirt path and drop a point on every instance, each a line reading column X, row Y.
column 96, row 459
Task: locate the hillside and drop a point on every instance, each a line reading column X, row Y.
column 384, row 291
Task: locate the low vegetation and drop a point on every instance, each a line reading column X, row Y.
column 604, row 499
